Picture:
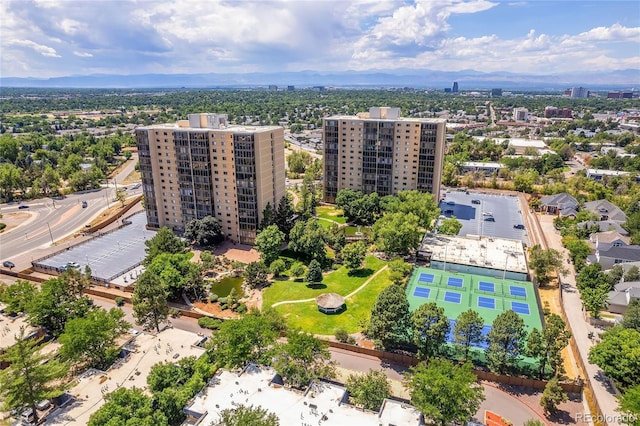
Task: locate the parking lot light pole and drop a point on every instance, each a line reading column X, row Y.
column 50, row 234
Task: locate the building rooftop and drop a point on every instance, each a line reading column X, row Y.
column 322, row 403
column 474, row 250
column 10, row 328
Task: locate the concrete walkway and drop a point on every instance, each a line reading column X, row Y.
column 346, row 297
column 580, row 328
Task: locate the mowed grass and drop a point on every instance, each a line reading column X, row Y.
column 335, row 282
column 306, row 316
column 331, row 213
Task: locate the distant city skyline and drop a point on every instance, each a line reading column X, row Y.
column 53, row 38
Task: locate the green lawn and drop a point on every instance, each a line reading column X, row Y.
column 330, row 213
column 307, row 317
column 334, row 282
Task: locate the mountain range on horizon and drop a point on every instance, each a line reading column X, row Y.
column 467, row 80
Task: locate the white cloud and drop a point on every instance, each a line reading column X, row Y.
column 82, row 54
column 616, row 32
column 40, row 48
column 71, row 27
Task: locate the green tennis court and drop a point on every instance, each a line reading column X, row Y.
column 457, row 292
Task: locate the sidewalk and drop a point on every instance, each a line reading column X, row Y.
column 580, row 328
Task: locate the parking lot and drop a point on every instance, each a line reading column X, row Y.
column 491, row 215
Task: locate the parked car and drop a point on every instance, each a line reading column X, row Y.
column 23, row 206
column 43, row 405
column 84, row 204
column 448, row 211
column 475, row 201
column 73, row 265
column 489, row 219
column 519, row 226
column 487, row 214
column 8, row 264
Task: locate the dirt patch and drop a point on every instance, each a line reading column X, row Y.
column 12, row 220
column 238, row 252
column 214, row 309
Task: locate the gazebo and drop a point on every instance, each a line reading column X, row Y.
column 330, row 303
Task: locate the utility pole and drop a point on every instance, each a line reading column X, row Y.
column 50, row 234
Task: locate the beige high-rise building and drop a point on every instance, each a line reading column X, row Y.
column 381, row 152
column 204, row 167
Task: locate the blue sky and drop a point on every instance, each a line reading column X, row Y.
column 49, row 38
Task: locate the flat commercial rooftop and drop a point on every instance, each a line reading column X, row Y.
column 147, row 350
column 110, row 255
column 504, row 209
column 323, row 403
column 486, row 252
column 10, row 328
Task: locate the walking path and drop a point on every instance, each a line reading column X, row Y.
column 346, row 297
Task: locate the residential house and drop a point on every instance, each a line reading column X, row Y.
column 623, row 293
column 608, row 239
column 561, row 204
column 606, row 210
column 614, row 255
column 603, row 226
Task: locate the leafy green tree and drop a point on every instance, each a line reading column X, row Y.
column 121, row 196
column 630, row 405
column 506, row 342
column 128, row 407
column 247, row 416
column 591, row 276
column 243, row 341
column 11, row 178
column 298, row 269
column 268, row 217
column 285, row 215
column 268, row 243
column 533, row 422
column 17, row 296
column 444, row 392
column 618, row 355
column 450, row 226
column 302, row 359
column 353, row 255
column 168, row 374
column 278, row 267
column 149, row 301
column 298, row 161
column 90, row 340
column 595, row 299
column 308, row 239
column 370, row 389
column 421, row 204
column 208, row 260
column 165, row 241
column 430, row 329
column 390, row 319
column 468, row 331
column 30, row 377
column 543, row 261
column 256, row 274
column 399, row 270
column 631, row 317
column 552, row 396
column 178, row 274
column 578, row 250
column 397, row 233
column 546, row 345
column 314, row 273
column 524, row 181
column 615, row 274
column 632, row 274
column 204, row 232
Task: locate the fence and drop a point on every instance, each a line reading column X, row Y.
column 407, row 361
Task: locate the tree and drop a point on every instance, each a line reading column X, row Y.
column 618, row 355
column 91, row 339
column 243, row 341
column 390, row 318
column 630, row 405
column 369, row 389
column 127, row 407
column 546, row 345
column 421, row 204
column 450, row 226
column 302, row 359
column 506, row 342
column 595, row 299
column 314, row 273
column 205, row 232
column 298, row 269
column 445, row 393
column 544, row 261
column 468, row 331
column 285, row 215
column 256, row 274
column 165, row 241
column 268, row 243
column 430, row 330
column 578, row 250
column 121, row 196
column 268, row 216
column 631, row 317
column 149, row 301
column 524, row 181
column 308, row 239
column 277, row 267
column 353, row 255
column 17, row 296
column 552, row 395
column 397, row 233
column 399, row 270
column 632, row 274
column 298, row 161
column 168, row 374
column 533, row 422
column 30, row 377
column 177, row 274
column 247, row 416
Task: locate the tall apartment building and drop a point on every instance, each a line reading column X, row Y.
column 203, row 167
column 381, row 152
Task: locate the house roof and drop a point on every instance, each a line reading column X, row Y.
column 568, row 211
column 562, row 201
column 605, row 225
column 601, row 207
column 628, row 253
column 623, row 293
column 623, row 286
column 611, row 236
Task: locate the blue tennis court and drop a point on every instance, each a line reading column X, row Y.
column 517, row 291
column 422, row 292
column 521, row 308
column 450, row 296
column 486, row 302
column 455, row 282
column 485, row 286
column 426, row 278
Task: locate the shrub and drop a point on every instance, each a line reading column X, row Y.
column 241, row 308
column 119, row 301
column 213, row 298
column 2, row 226
column 342, row 335
column 174, row 312
column 210, row 323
